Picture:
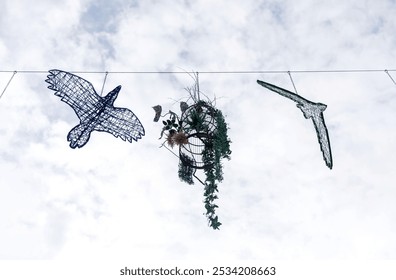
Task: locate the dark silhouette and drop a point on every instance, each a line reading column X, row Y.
column 95, row 112
column 310, row 110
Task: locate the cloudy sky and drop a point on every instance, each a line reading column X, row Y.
column 278, row 198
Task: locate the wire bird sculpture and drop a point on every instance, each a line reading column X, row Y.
column 95, row 112
column 310, row 110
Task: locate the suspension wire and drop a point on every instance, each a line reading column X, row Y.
column 387, row 72
column 199, row 97
column 291, row 79
column 212, row 72
column 4, row 90
column 196, row 177
column 104, row 82
column 163, row 145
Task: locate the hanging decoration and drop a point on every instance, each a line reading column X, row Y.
column 95, row 112
column 200, row 135
column 310, row 110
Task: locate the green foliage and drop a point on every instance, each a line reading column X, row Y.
column 216, row 148
column 202, row 118
column 221, row 140
column 185, row 170
column 221, row 144
column 210, row 188
column 196, row 120
column 170, row 124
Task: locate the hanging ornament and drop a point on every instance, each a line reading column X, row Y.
column 158, row 110
column 200, row 135
column 310, row 110
column 95, row 112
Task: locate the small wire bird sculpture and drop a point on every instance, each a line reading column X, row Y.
column 95, row 112
column 310, row 110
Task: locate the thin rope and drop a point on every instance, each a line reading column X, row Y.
column 291, row 79
column 170, row 151
column 8, row 84
column 104, row 82
column 212, row 72
column 387, row 72
column 199, row 97
column 196, row 177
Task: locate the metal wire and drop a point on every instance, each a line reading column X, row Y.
column 387, row 72
column 212, row 72
column 170, row 151
column 104, row 82
column 199, row 97
column 4, row 90
column 291, row 79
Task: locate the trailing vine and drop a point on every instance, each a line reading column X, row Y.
column 201, row 135
column 217, row 148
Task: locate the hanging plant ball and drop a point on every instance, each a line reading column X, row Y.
column 199, row 124
column 201, row 136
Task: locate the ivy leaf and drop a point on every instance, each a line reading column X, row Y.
column 214, row 222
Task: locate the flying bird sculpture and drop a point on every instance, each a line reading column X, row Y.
column 310, row 110
column 95, row 112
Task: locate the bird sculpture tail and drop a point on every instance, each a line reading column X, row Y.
column 311, row 109
column 79, row 136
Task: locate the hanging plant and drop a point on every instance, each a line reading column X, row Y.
column 200, row 133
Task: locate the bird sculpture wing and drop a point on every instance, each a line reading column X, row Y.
column 323, row 138
column 120, row 122
column 75, row 91
column 310, row 110
column 288, row 94
column 93, row 111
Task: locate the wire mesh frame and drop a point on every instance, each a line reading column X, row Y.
column 95, row 112
column 199, row 123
